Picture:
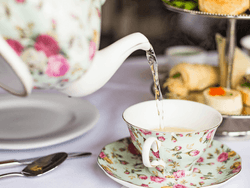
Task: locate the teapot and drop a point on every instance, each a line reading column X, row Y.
column 53, row 44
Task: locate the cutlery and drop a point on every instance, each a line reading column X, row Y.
column 14, row 162
column 39, row 166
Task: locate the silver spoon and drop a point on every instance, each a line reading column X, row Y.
column 40, row 166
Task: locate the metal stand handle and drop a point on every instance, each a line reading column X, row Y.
column 230, row 49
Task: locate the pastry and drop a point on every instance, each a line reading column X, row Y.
column 233, row 7
column 176, row 86
column 244, row 88
column 226, row 101
column 246, row 110
column 196, row 96
column 186, row 77
column 240, row 65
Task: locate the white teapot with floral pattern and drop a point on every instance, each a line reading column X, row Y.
column 52, row 44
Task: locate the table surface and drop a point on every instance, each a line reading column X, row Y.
column 130, row 85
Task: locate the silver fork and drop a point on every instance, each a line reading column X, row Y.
column 15, row 162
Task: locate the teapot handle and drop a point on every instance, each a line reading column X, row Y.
column 15, row 76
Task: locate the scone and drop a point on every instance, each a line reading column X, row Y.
column 233, row 7
column 226, row 101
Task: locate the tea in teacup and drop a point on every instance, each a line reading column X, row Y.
column 173, row 129
column 173, row 151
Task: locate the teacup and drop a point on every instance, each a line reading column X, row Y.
column 172, row 154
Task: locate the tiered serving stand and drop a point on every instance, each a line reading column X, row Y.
column 233, row 127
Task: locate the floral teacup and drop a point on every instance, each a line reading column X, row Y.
column 173, row 154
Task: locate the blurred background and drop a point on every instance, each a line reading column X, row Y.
column 162, row 27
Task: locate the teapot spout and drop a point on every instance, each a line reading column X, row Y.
column 105, row 64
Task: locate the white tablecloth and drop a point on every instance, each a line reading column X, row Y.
column 130, row 85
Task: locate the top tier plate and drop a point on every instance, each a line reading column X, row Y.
column 195, row 11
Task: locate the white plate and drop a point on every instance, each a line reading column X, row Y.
column 43, row 119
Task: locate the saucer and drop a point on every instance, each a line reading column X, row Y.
column 123, row 163
column 43, row 119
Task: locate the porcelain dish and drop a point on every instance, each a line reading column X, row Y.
column 43, row 119
column 123, row 163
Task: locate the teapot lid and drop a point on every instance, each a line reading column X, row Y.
column 14, row 74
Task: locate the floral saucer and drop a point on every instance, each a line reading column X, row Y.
column 122, row 162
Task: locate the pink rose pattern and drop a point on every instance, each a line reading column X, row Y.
column 20, row 1
column 102, row 155
column 92, row 50
column 159, row 168
column 57, row 66
column 194, row 152
column 209, row 135
column 200, row 160
column 47, row 44
column 236, row 170
column 196, row 170
column 179, row 186
column 156, row 154
column 179, row 174
column 222, row 157
column 161, row 138
column 157, row 179
column 178, row 148
column 132, row 135
column 98, row 12
column 110, row 173
column 143, row 178
column 145, row 132
column 180, row 135
column 16, row 46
